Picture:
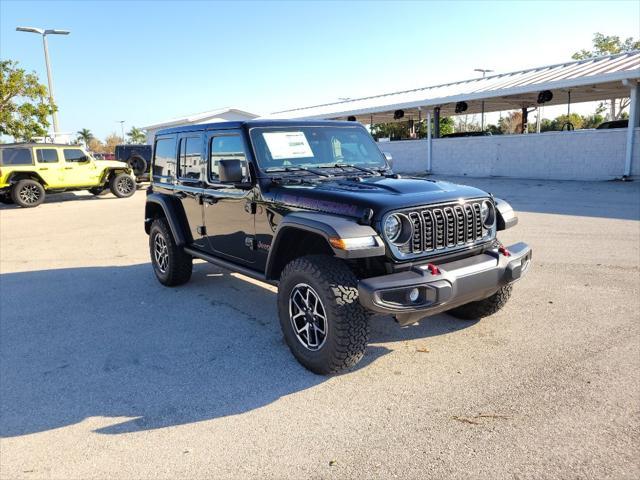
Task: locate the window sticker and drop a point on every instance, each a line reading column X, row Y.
column 287, row 145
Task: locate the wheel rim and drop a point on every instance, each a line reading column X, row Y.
column 161, row 253
column 308, row 317
column 30, row 194
column 124, row 185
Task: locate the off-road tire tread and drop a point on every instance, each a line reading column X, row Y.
column 350, row 320
column 483, row 308
column 114, row 190
column 180, row 263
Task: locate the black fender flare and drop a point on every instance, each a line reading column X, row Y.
column 506, row 217
column 326, row 226
column 174, row 214
column 17, row 176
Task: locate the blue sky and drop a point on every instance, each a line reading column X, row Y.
column 149, row 61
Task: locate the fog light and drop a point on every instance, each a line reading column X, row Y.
column 414, row 295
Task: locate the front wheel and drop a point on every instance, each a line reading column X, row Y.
column 27, row 193
column 322, row 320
column 171, row 264
column 483, row 308
column 122, row 185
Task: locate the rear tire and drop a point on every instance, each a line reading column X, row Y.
column 322, row 320
column 98, row 191
column 171, row 264
column 122, row 185
column 6, row 199
column 483, row 308
column 27, row 193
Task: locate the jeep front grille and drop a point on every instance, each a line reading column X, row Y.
column 445, row 226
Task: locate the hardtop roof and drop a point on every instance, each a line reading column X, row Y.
column 253, row 124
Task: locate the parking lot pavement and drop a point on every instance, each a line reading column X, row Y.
column 105, row 373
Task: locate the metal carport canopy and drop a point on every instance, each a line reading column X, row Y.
column 592, row 79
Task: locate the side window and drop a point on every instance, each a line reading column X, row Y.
column 16, row 156
column 74, row 155
column 226, row 147
column 191, row 159
column 47, row 155
column 164, row 158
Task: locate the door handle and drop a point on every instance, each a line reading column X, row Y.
column 68, row 168
column 43, row 169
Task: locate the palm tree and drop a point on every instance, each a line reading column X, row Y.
column 85, row 135
column 136, row 135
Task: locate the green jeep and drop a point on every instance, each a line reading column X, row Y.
column 28, row 170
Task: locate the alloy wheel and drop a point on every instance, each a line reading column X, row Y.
column 308, row 317
column 125, row 185
column 161, row 252
column 30, row 194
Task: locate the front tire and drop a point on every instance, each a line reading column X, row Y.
column 122, row 185
column 27, row 193
column 483, row 308
column 171, row 264
column 322, row 320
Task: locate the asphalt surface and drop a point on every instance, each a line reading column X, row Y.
column 104, row 373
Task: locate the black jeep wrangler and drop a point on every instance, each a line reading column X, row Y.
column 314, row 208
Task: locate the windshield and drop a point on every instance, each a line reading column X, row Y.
column 279, row 148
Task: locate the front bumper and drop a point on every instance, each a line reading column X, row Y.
column 453, row 284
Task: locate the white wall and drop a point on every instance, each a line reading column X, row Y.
column 578, row 155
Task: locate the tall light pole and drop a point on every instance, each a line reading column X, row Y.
column 484, row 73
column 121, row 122
column 44, row 33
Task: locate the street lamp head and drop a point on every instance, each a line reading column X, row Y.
column 39, row 31
column 57, row 32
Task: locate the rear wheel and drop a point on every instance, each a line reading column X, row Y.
column 483, row 308
column 27, row 193
column 322, row 320
column 6, row 199
column 171, row 264
column 98, row 190
column 122, row 185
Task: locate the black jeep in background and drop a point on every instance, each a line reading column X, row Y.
column 138, row 157
column 314, row 208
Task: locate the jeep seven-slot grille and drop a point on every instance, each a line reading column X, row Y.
column 445, row 226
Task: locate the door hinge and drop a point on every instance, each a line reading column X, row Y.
column 250, row 207
column 250, row 242
column 202, row 230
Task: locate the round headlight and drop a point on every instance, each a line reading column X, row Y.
column 488, row 214
column 392, row 227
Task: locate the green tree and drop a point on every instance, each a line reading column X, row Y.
column 110, row 143
column 24, row 106
column 609, row 45
column 136, row 135
column 592, row 121
column 85, row 135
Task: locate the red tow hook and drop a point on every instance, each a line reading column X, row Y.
column 504, row 251
column 433, row 269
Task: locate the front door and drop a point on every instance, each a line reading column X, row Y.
column 79, row 169
column 49, row 166
column 229, row 211
column 190, row 181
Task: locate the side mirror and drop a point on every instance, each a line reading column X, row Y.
column 388, row 158
column 230, row 171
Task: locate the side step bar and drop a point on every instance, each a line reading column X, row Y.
column 227, row 265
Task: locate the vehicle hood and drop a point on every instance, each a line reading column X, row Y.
column 111, row 164
column 382, row 194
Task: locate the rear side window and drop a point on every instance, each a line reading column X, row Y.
column 16, row 156
column 47, row 155
column 164, row 158
column 226, row 147
column 191, row 159
column 74, row 155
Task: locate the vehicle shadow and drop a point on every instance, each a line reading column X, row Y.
column 112, row 342
column 65, row 197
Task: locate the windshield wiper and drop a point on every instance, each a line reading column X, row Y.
column 343, row 166
column 295, row 169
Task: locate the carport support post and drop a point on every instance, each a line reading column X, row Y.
column 525, row 114
column 429, row 150
column 436, row 122
column 634, row 120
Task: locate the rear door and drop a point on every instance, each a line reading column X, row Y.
column 49, row 166
column 190, row 180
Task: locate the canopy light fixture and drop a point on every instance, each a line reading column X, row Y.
column 461, row 107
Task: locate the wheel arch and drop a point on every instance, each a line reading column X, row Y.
column 17, row 176
column 305, row 233
column 158, row 206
